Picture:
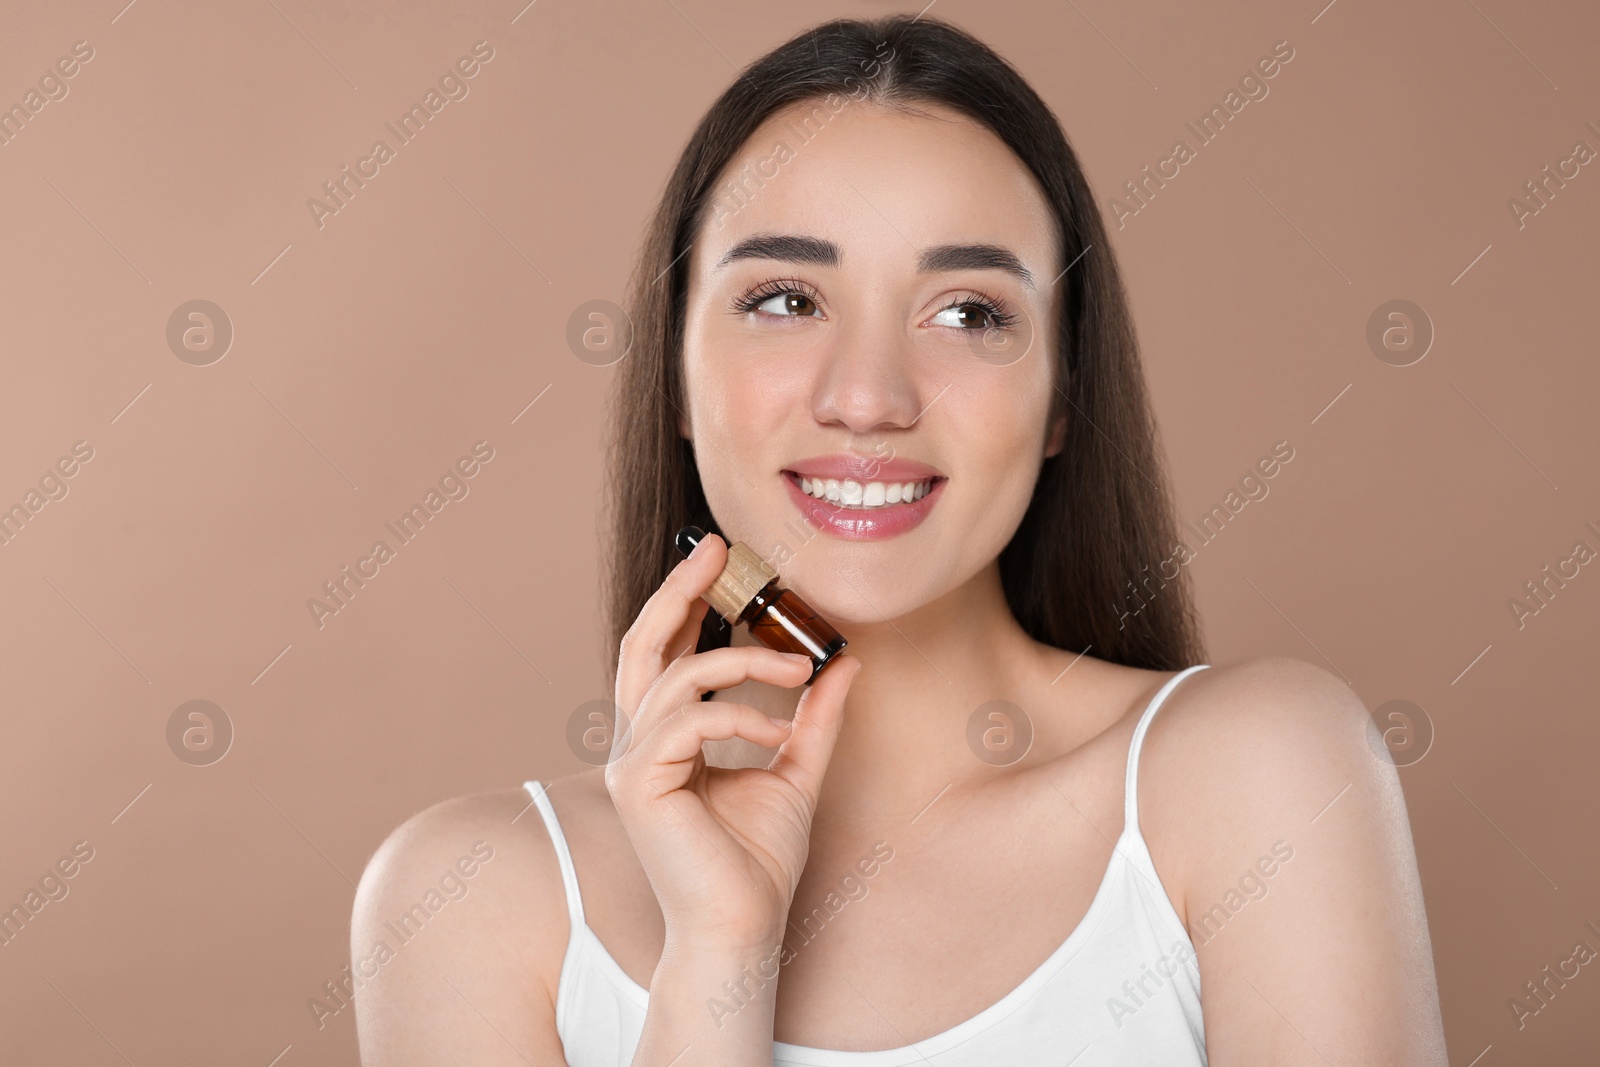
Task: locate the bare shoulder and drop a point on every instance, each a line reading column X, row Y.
column 1280, row 828
column 1243, row 756
column 1261, row 713
column 1260, row 743
column 460, row 922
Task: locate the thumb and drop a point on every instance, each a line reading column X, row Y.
column 802, row 760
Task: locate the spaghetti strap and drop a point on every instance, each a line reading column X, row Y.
column 569, row 873
column 1131, row 794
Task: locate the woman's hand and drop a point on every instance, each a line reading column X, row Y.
column 723, row 849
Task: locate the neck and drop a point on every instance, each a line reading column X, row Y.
column 904, row 735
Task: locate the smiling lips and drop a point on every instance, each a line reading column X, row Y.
column 862, row 498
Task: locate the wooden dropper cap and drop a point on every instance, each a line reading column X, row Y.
column 745, row 575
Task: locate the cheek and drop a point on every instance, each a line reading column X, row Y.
column 739, row 416
column 742, row 387
column 727, row 377
column 1002, row 487
column 1012, row 409
column 1000, row 465
column 738, row 406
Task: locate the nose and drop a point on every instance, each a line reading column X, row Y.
column 868, row 383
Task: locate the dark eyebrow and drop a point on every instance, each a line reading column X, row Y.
column 973, row 257
column 815, row 251
column 786, row 247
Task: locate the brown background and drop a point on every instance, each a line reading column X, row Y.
column 425, row 316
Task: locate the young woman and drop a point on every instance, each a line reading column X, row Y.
column 881, row 338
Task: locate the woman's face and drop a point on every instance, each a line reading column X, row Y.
column 873, row 305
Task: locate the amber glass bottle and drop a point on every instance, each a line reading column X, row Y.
column 747, row 591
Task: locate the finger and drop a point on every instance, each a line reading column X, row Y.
column 688, row 635
column 803, row 759
column 665, row 760
column 686, row 679
column 643, row 655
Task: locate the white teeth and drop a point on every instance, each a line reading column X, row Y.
column 850, row 493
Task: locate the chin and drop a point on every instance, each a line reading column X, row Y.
column 850, row 597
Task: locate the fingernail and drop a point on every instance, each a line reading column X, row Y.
column 689, row 541
column 796, row 656
column 782, row 724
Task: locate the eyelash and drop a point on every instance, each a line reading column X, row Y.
column 997, row 310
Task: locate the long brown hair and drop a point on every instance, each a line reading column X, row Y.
column 1084, row 570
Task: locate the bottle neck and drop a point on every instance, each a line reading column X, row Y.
column 759, row 603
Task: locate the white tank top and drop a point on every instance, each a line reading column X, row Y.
column 1123, row 989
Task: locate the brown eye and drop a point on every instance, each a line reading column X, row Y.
column 966, row 317
column 779, row 298
column 975, row 315
column 789, row 304
column 971, row 315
